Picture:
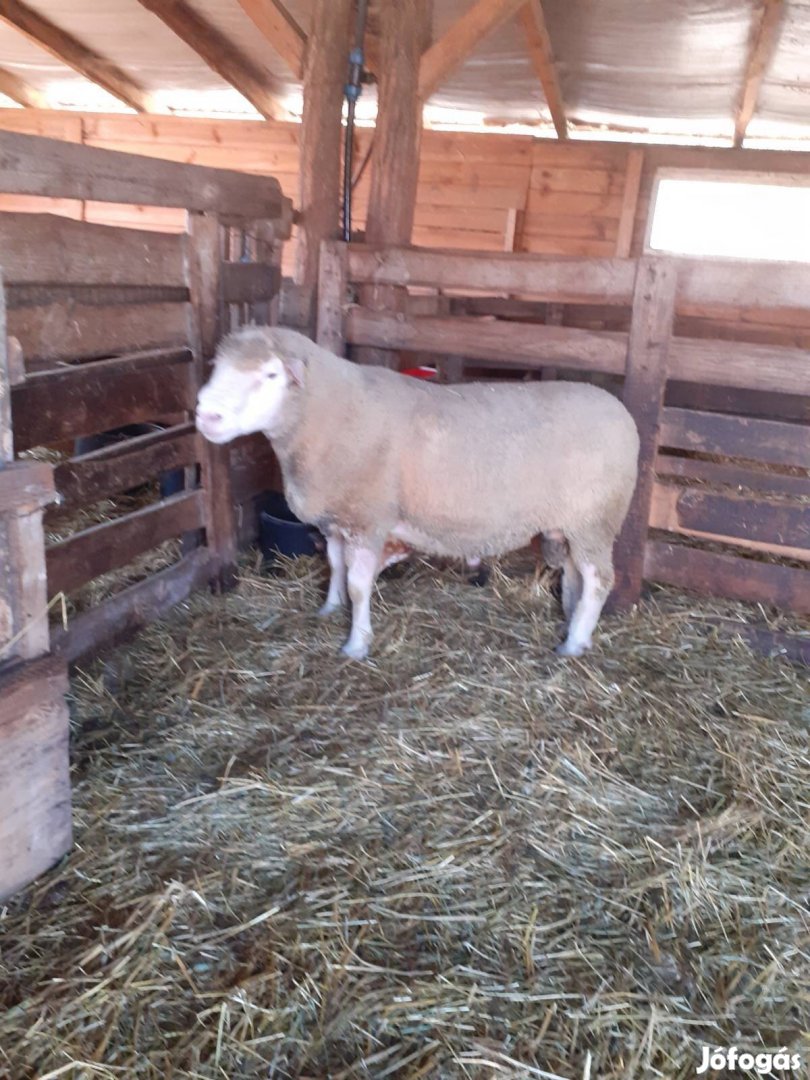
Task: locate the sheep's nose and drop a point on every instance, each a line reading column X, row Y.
column 206, row 416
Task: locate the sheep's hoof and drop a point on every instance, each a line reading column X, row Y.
column 480, row 579
column 575, row 648
column 355, row 652
column 328, row 609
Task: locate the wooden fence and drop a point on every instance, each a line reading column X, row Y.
column 104, row 328
column 721, row 503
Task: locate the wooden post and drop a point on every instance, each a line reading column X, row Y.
column 203, row 268
column 644, row 385
column 632, row 187
column 332, row 297
column 325, row 70
column 405, row 34
column 35, row 825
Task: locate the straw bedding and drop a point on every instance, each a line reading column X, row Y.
column 463, row 860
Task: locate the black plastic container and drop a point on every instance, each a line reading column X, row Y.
column 280, row 531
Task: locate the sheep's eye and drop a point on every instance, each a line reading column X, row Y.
column 271, row 374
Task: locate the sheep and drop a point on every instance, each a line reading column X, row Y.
column 469, row 471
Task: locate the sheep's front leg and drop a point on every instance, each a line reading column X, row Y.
column 336, row 556
column 363, row 564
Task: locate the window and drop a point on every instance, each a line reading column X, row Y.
column 743, row 216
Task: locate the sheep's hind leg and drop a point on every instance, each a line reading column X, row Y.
column 571, row 588
column 597, row 581
column 363, row 563
column 336, row 555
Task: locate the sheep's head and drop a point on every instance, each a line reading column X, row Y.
column 254, row 375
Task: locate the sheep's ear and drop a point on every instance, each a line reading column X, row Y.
column 296, row 369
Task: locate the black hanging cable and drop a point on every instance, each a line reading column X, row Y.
column 352, row 90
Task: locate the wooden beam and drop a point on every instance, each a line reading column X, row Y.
column 533, row 19
column 632, row 186
column 18, row 90
column 32, row 165
column 220, row 55
column 466, row 33
column 321, row 136
column 765, row 31
column 275, row 23
column 404, row 34
column 72, row 52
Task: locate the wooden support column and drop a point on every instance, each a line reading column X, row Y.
column 331, row 333
column 325, row 70
column 405, row 35
column 644, row 385
column 204, row 269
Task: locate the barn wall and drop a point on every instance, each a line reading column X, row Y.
column 476, row 191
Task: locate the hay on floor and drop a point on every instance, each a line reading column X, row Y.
column 463, row 860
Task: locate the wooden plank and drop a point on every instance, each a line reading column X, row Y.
column 738, row 578
column 332, row 297
column 70, row 402
column 756, row 403
column 767, row 22
column 594, row 181
column 30, row 165
column 768, row 525
column 528, row 345
column 562, row 280
column 26, row 486
column 281, row 31
column 54, row 332
column 719, row 473
column 205, row 250
column 645, row 381
column 574, row 203
column 770, row 643
column 48, row 249
column 35, row 825
column 112, row 544
column 459, row 41
column 541, row 55
column 6, row 427
column 26, row 541
column 769, row 441
column 743, row 284
column 20, row 91
column 249, row 283
column 69, row 50
column 771, row 368
column 253, row 83
column 122, row 616
column 627, row 218
column 120, row 466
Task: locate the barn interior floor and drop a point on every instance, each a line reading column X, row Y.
column 465, row 859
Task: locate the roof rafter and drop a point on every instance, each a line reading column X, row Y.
column 72, row 52
column 466, row 33
column 218, row 53
column 18, row 90
column 765, row 32
column 275, row 23
column 541, row 54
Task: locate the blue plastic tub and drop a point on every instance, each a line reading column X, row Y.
column 280, row 531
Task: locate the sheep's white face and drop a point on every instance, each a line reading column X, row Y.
column 240, row 401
